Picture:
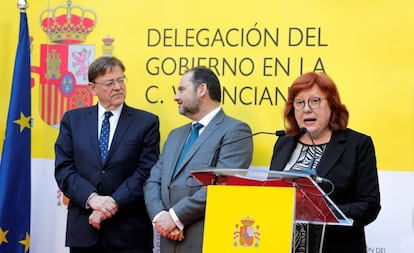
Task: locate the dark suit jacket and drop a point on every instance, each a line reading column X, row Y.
column 182, row 192
column 79, row 172
column 349, row 162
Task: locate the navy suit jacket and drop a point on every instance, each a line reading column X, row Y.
column 79, row 172
column 349, row 162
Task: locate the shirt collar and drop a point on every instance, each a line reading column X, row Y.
column 206, row 119
column 116, row 112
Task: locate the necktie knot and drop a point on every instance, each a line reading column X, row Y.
column 107, row 115
column 191, row 139
column 197, row 126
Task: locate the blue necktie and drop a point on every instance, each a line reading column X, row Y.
column 104, row 136
column 191, row 139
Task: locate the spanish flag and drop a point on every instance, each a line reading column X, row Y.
column 248, row 219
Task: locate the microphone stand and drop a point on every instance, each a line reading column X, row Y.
column 213, row 161
column 310, row 169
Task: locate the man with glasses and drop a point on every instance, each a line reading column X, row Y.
column 104, row 154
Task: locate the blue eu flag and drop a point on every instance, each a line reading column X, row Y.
column 16, row 155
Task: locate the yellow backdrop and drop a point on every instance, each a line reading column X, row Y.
column 258, row 49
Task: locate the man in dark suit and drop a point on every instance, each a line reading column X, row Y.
column 102, row 163
column 174, row 199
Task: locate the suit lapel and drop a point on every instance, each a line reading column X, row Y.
column 283, row 153
column 333, row 153
column 92, row 127
column 180, row 140
column 207, row 132
column 124, row 122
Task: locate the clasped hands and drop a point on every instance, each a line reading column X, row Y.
column 165, row 226
column 104, row 207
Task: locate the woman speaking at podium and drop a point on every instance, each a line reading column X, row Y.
column 329, row 150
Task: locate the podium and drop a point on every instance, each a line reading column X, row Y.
column 311, row 205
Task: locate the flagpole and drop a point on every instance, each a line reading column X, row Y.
column 15, row 164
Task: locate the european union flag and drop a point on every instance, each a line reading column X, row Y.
column 16, row 157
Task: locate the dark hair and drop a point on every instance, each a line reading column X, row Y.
column 205, row 75
column 339, row 113
column 101, row 65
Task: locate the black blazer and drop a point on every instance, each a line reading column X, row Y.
column 349, row 162
column 80, row 172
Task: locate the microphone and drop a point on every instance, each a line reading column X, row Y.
column 310, row 170
column 214, row 158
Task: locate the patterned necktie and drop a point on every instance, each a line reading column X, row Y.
column 191, row 139
column 104, row 136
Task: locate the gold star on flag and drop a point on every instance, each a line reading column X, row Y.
column 26, row 242
column 23, row 121
column 3, row 235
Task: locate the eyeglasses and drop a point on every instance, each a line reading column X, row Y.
column 313, row 103
column 111, row 83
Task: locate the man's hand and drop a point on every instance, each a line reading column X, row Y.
column 95, row 219
column 176, row 234
column 164, row 223
column 104, row 204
